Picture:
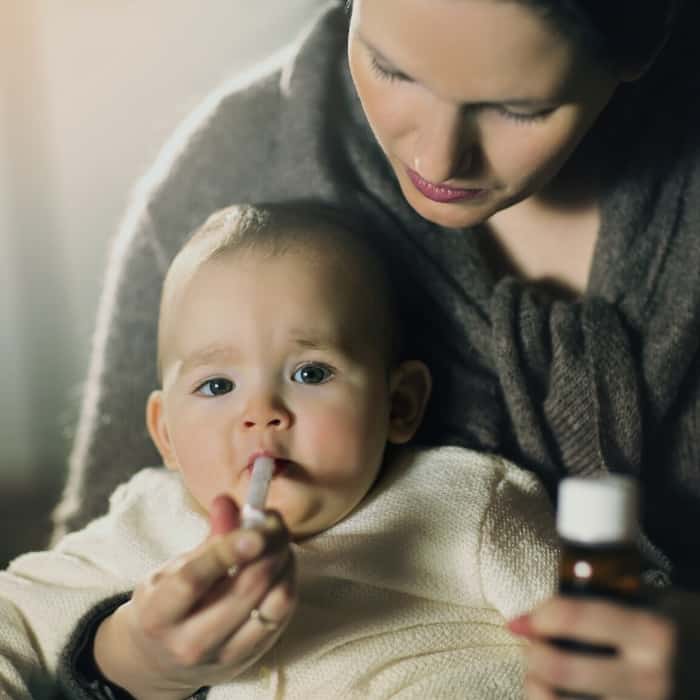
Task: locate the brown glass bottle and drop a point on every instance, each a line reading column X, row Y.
column 597, row 521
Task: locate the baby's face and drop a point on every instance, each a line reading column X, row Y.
column 273, row 355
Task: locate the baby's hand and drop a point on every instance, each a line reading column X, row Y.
column 205, row 617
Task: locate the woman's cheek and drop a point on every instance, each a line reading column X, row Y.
column 522, row 155
column 384, row 106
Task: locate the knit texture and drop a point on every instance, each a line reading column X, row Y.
column 608, row 382
column 405, row 598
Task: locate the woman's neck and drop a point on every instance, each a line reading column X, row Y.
column 548, row 239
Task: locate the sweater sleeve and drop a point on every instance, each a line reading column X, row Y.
column 45, row 595
column 518, row 550
column 21, row 666
column 42, row 597
column 78, row 675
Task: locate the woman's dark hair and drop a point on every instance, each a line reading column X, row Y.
column 618, row 32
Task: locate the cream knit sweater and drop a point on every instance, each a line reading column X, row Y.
column 405, row 598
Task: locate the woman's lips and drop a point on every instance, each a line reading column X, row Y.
column 441, row 193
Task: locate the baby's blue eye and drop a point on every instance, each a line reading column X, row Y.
column 312, row 374
column 215, row 387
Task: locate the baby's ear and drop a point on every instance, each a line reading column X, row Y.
column 410, row 387
column 158, row 429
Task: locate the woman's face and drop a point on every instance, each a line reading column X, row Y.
column 476, row 103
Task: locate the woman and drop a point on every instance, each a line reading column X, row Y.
column 534, row 164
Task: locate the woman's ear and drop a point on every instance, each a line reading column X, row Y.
column 158, row 430
column 409, row 387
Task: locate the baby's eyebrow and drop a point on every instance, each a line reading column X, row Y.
column 209, row 355
column 309, row 343
column 340, row 344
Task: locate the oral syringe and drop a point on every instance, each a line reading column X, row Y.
column 253, row 514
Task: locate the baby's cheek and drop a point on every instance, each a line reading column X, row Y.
column 334, row 435
column 342, row 439
column 203, row 464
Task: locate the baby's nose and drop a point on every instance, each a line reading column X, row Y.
column 266, row 414
column 271, row 422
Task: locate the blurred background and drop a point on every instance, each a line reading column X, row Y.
column 89, row 92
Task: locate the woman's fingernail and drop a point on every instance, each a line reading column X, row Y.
column 521, row 626
column 249, row 544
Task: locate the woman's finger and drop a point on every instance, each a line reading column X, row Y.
column 603, row 676
column 600, row 622
column 276, row 533
column 171, row 596
column 223, row 515
column 265, row 622
column 641, row 669
column 534, row 689
column 208, row 629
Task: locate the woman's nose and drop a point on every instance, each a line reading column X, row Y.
column 445, row 144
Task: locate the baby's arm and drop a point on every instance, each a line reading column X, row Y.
column 189, row 625
column 20, row 664
column 42, row 597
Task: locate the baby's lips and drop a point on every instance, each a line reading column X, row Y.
column 280, row 466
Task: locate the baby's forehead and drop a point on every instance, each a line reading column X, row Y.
column 333, row 258
column 350, row 279
column 340, row 273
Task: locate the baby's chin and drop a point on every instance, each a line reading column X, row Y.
column 317, row 523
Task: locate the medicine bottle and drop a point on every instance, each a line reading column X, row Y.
column 598, row 525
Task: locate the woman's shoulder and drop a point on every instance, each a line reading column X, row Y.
column 246, row 141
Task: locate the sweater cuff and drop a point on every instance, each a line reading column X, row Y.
column 78, row 675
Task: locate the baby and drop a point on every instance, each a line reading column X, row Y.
column 381, row 571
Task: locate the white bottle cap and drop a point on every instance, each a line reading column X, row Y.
column 598, row 510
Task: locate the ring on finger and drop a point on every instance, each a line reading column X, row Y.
column 232, row 570
column 267, row 623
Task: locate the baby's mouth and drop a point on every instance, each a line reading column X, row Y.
column 281, row 466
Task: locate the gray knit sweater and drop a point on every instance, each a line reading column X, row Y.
column 611, row 381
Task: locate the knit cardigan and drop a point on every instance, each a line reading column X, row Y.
column 405, row 598
column 610, row 381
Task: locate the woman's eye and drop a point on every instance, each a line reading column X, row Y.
column 523, row 117
column 385, row 73
column 215, row 387
column 312, row 374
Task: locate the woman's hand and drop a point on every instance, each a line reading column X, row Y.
column 205, row 617
column 658, row 651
